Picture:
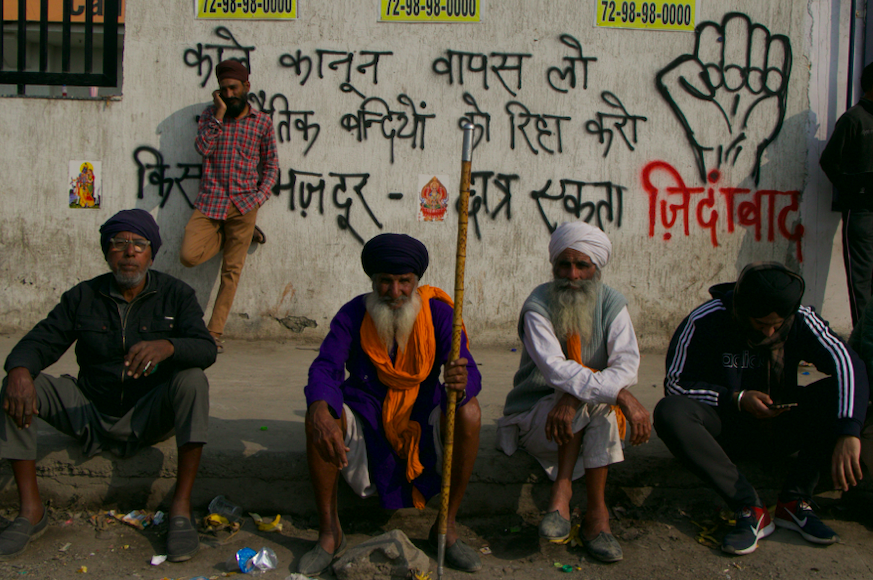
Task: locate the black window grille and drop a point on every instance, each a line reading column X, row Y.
column 31, row 39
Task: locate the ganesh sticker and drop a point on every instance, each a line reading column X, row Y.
column 433, row 198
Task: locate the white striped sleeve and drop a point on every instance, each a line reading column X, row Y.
column 844, row 372
column 680, row 356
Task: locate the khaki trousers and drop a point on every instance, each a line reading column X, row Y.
column 204, row 237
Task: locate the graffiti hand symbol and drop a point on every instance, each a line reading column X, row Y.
column 730, row 94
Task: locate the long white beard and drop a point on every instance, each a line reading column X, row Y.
column 393, row 324
column 571, row 304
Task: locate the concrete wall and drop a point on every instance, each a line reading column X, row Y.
column 669, row 247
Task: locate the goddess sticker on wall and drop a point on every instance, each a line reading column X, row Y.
column 85, row 185
column 433, row 198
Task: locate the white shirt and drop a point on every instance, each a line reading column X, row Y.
column 569, row 376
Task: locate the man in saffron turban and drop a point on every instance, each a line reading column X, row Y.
column 569, row 405
column 380, row 427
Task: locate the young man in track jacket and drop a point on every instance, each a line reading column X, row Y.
column 731, row 391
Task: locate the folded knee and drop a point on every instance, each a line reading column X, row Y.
column 668, row 418
column 189, row 259
column 309, row 425
column 470, row 415
column 659, row 415
column 191, row 382
column 677, row 414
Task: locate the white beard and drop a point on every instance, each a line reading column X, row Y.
column 393, row 324
column 571, row 305
column 128, row 281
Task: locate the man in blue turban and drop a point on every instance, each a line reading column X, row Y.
column 380, row 427
column 141, row 346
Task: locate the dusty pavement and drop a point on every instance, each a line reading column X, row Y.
column 658, row 542
column 255, row 457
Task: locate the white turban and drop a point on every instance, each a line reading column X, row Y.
column 583, row 238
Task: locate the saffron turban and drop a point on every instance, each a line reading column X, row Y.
column 583, row 238
column 137, row 221
column 232, row 69
column 767, row 287
column 394, row 254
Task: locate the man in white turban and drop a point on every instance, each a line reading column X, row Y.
column 569, row 398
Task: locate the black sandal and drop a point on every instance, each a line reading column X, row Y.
column 183, row 541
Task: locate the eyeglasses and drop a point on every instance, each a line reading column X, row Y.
column 120, row 245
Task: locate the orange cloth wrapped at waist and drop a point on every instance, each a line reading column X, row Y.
column 574, row 351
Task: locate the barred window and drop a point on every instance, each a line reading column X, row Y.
column 55, row 48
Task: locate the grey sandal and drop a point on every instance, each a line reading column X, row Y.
column 554, row 527
column 20, row 532
column 317, row 560
column 604, row 547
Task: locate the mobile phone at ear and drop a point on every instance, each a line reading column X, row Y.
column 782, row 406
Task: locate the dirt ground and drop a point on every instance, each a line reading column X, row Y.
column 660, row 540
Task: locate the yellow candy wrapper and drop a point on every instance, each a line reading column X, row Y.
column 265, row 525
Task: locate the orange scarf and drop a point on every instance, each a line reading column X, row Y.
column 574, row 350
column 403, row 377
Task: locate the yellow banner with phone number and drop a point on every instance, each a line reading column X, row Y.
column 430, row 11
column 246, row 9
column 655, row 15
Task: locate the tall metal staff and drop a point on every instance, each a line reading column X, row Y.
column 457, row 326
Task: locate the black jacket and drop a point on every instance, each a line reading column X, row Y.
column 709, row 360
column 165, row 309
column 847, row 159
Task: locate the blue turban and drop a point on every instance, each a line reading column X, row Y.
column 394, row 254
column 137, row 221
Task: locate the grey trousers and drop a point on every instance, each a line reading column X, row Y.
column 180, row 406
column 707, row 442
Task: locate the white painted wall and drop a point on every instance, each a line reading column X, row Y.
column 310, row 267
column 828, row 48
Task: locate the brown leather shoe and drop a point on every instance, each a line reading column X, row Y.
column 258, row 236
column 219, row 344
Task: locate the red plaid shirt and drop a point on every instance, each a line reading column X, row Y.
column 232, row 150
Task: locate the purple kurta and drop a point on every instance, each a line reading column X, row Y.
column 364, row 393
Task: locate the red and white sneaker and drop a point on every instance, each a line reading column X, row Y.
column 797, row 515
column 753, row 523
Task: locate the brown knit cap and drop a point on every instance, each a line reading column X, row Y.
column 232, row 69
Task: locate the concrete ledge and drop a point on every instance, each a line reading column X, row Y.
column 256, row 454
column 276, row 480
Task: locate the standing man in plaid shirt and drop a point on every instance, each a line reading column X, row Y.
column 240, row 168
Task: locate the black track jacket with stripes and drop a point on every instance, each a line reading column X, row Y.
column 709, row 360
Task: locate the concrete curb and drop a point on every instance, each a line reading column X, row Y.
column 256, row 454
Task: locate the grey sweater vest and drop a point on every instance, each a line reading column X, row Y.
column 529, row 384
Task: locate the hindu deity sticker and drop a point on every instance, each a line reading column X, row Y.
column 86, row 184
column 433, row 198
